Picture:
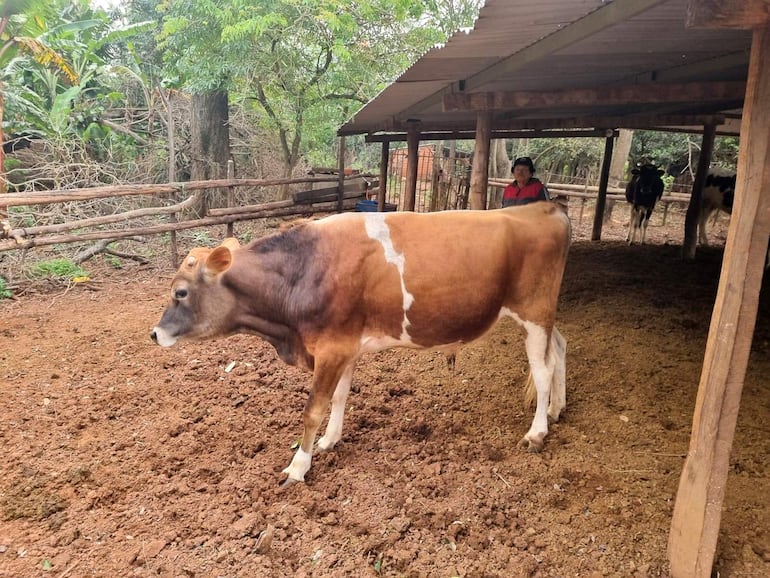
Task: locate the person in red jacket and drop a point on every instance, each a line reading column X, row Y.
column 525, row 188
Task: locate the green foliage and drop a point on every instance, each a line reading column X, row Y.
column 5, row 293
column 202, row 239
column 309, row 63
column 58, row 269
column 676, row 151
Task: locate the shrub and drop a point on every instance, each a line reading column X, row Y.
column 58, row 269
column 5, row 293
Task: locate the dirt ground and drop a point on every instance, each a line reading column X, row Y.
column 120, row 458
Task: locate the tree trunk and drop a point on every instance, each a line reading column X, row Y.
column 210, row 143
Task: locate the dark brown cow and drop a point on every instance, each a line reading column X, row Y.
column 325, row 292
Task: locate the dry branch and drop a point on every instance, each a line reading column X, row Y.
column 103, row 247
column 20, row 233
column 59, row 196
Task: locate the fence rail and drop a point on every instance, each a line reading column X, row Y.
column 310, row 201
column 306, row 202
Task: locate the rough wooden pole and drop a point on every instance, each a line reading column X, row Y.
column 698, row 507
column 173, row 245
column 604, row 180
column 693, row 209
column 412, row 160
column 230, row 194
column 480, row 169
column 384, row 160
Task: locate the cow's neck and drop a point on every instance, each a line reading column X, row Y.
column 263, row 285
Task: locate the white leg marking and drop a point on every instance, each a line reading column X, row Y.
column 377, row 229
column 299, row 466
column 334, row 427
column 536, row 345
column 631, row 222
column 558, row 354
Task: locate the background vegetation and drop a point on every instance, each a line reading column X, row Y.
column 96, row 92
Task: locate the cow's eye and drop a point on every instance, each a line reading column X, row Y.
column 180, row 294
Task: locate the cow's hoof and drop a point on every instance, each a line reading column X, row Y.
column 287, row 483
column 324, row 446
column 533, row 446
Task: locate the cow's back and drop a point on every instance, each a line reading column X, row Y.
column 443, row 277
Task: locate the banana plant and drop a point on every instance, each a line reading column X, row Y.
column 22, row 29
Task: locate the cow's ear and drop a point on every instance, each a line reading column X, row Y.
column 635, row 171
column 218, row 261
column 231, row 243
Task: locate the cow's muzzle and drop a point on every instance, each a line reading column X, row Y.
column 162, row 337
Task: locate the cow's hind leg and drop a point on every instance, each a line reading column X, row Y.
column 327, row 373
column 334, row 427
column 542, row 374
column 557, row 359
column 631, row 225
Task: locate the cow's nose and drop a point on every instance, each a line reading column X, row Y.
column 154, row 336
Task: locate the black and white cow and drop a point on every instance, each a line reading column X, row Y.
column 718, row 195
column 643, row 191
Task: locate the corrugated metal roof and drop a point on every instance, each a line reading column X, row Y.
column 557, row 45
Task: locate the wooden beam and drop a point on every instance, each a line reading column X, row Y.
column 693, row 209
column 480, row 167
column 383, row 191
column 640, row 121
column 698, row 507
column 412, row 160
column 604, row 179
column 604, row 17
column 642, row 94
column 728, row 13
column 471, row 135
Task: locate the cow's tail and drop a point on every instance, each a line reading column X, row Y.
column 530, row 393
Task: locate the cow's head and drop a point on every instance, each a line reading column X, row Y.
column 200, row 304
column 648, row 179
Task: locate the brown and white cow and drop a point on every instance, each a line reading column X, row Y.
column 325, row 292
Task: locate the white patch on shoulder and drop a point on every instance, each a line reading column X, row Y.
column 377, row 229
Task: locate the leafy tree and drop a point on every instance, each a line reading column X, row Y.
column 678, row 152
column 308, row 62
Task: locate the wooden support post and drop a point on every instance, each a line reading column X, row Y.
column 698, row 507
column 384, row 160
column 413, row 146
column 480, row 169
column 604, row 179
column 230, row 194
column 341, row 176
column 693, row 209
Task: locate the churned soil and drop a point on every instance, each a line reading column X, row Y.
column 120, row 458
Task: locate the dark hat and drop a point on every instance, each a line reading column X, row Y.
column 526, row 161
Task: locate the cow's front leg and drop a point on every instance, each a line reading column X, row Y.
column 334, row 427
column 325, row 377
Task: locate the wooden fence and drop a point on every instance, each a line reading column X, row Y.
column 117, row 225
column 589, row 192
column 313, row 200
